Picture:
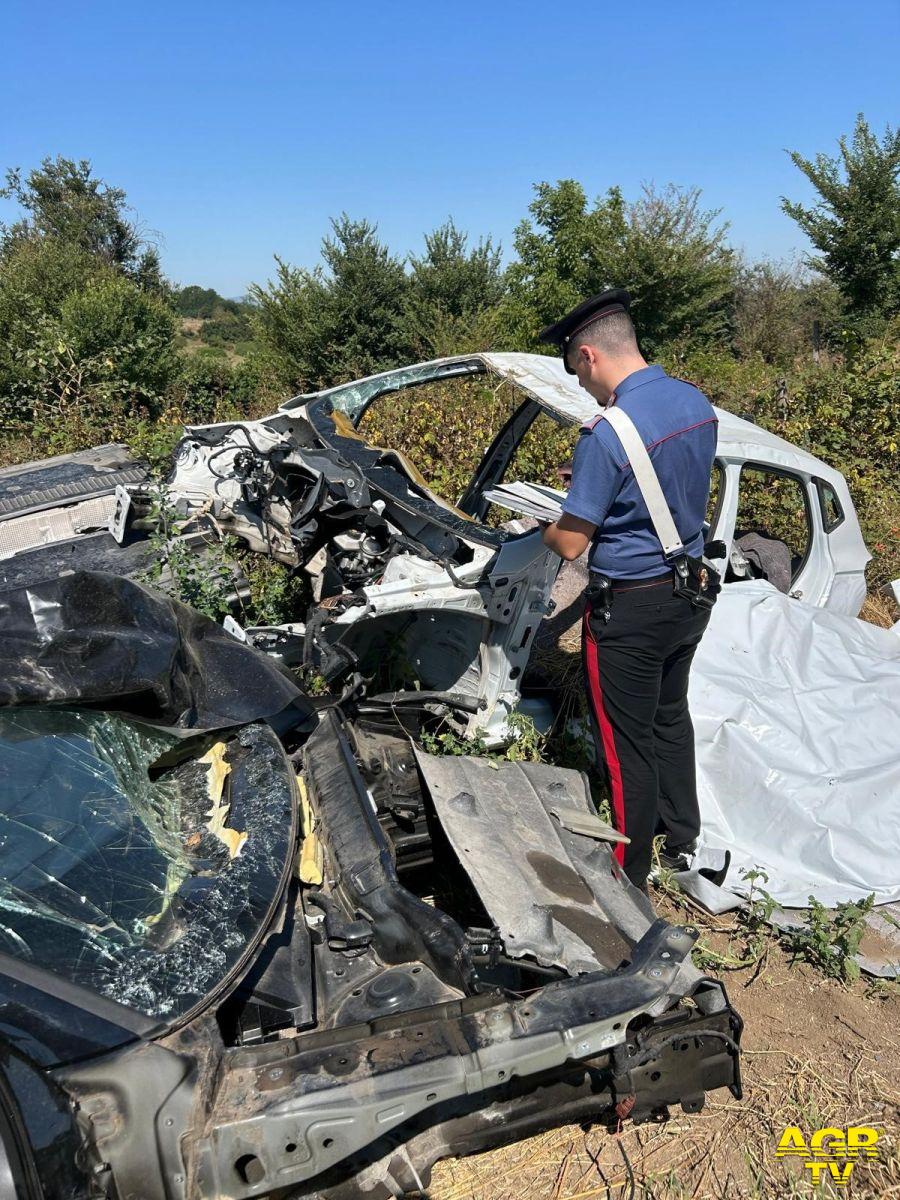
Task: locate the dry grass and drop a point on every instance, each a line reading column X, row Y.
column 726, row 1151
column 815, row 1054
column 879, row 609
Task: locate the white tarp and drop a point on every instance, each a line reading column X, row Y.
column 797, row 718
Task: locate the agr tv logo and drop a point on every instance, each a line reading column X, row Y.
column 831, row 1152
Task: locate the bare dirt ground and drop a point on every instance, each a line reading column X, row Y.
column 815, row 1054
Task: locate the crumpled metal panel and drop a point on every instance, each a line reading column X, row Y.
column 551, row 893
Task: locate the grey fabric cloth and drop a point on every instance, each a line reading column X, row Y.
column 770, row 557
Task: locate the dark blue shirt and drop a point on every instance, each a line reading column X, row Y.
column 678, row 425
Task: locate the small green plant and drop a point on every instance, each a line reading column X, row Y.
column 757, row 915
column 454, row 744
column 312, row 681
column 278, row 594
column 204, row 581
column 528, row 743
column 829, row 941
column 750, row 939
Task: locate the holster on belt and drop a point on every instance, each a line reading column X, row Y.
column 696, row 580
column 599, row 595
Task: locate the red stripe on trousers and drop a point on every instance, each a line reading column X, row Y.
column 606, row 733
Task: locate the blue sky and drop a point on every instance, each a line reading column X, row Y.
column 238, row 129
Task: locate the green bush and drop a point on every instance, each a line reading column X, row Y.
column 127, row 331
column 845, row 410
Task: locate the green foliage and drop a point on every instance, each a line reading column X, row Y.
column 202, row 580
column 445, row 427
column 278, row 594
column 153, row 441
column 86, row 334
column 207, row 390
column 62, row 200
column 855, row 222
column 340, row 321
column 751, row 938
column 131, row 331
column 829, row 941
column 450, row 743
column 97, row 357
column 229, row 330
column 194, row 301
column 208, row 578
column 224, row 324
column 775, row 310
column 453, row 294
column 664, row 248
column 526, row 743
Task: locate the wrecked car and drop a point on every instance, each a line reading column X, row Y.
column 409, row 585
column 251, row 947
column 256, row 944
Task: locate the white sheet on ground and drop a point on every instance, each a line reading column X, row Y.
column 797, row 719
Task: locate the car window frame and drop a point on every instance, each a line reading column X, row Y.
column 803, row 481
column 828, row 525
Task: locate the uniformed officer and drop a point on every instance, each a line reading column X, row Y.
column 639, row 639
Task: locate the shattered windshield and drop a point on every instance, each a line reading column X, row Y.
column 353, row 398
column 134, row 862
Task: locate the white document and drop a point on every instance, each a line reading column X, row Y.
column 529, row 499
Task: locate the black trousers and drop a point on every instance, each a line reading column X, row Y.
column 636, row 668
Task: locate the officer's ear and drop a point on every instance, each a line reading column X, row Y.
column 586, row 356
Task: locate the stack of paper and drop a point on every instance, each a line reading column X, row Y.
column 529, row 499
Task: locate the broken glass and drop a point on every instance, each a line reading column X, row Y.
column 353, row 398
column 134, row 862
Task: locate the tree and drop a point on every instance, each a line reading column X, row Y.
column 62, row 200
column 776, row 308
column 343, row 319
column 664, row 248
column 855, row 223
column 86, row 332
column 453, row 294
column 195, row 301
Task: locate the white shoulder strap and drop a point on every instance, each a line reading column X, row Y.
column 647, row 480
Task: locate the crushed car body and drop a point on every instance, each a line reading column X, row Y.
column 416, row 956
column 253, row 948
column 402, row 576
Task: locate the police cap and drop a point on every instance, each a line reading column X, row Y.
column 561, row 332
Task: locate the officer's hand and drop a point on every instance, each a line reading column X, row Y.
column 564, row 471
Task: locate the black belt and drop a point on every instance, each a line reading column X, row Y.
column 630, row 585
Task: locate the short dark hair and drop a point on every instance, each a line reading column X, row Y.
column 613, row 335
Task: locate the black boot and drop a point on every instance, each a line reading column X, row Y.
column 676, row 858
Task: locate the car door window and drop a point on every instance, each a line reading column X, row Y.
column 772, row 528
column 830, row 506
